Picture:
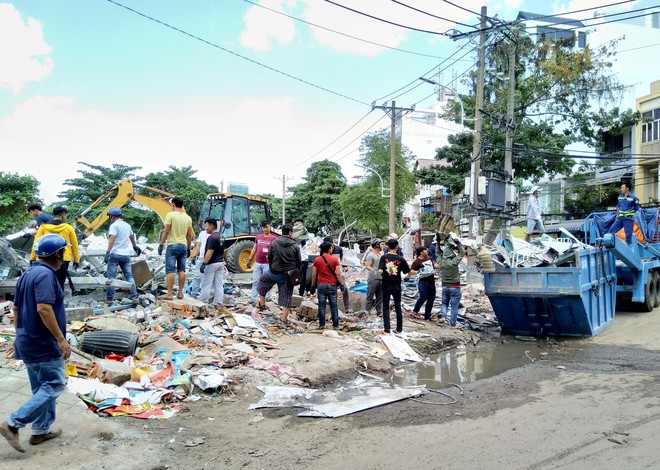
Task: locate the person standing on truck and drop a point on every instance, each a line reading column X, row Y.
column 534, row 220
column 121, row 245
column 40, row 342
column 59, row 227
column 626, row 207
column 178, row 234
column 259, row 255
column 213, row 266
column 283, row 256
column 452, row 256
column 390, row 267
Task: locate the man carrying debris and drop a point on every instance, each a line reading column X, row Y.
column 213, row 265
column 259, row 254
column 626, row 206
column 283, row 256
column 423, row 266
column 40, row 217
column 326, row 276
column 59, row 227
column 178, row 234
column 121, row 245
column 452, row 256
column 390, row 267
column 534, row 220
column 40, row 342
column 375, row 280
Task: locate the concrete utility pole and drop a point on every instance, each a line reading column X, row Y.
column 393, row 110
column 476, row 146
column 283, row 179
column 510, row 111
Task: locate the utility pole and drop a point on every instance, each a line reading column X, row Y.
column 283, row 179
column 393, row 110
column 476, row 145
column 510, row 105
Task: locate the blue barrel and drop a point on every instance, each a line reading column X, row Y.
column 551, row 301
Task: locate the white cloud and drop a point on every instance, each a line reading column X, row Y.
column 564, row 6
column 262, row 27
column 23, row 50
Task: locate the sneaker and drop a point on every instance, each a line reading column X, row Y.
column 12, row 437
column 39, row 438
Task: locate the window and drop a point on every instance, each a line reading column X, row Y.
column 257, row 215
column 651, row 128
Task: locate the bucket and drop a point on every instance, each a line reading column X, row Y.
column 102, row 343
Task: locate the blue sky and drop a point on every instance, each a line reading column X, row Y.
column 90, row 81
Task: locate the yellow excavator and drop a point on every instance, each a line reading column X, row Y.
column 123, row 193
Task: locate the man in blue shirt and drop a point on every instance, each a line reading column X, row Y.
column 40, row 342
column 626, row 207
column 40, row 217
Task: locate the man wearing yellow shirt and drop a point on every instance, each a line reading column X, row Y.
column 177, row 234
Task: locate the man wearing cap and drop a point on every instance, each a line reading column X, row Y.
column 121, row 245
column 534, row 220
column 626, row 207
column 40, row 342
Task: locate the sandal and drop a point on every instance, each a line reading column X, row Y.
column 167, row 298
column 179, row 296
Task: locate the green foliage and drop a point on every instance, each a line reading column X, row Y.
column 316, row 200
column 275, row 207
column 364, row 202
column 16, row 194
column 583, row 199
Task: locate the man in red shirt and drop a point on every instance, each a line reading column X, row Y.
column 326, row 276
column 260, row 251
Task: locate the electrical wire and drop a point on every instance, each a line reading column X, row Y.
column 340, row 33
column 268, row 67
column 431, row 14
column 384, row 20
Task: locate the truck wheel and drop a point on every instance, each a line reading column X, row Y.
column 237, row 256
column 649, row 294
column 656, row 282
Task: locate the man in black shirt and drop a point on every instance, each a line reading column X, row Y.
column 391, row 266
column 213, row 265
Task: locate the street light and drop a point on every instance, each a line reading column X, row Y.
column 453, row 92
column 384, row 192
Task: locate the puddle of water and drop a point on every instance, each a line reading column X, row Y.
column 457, row 366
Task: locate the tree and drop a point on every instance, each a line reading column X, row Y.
column 316, row 200
column 16, row 194
column 364, row 202
column 556, row 86
column 275, row 207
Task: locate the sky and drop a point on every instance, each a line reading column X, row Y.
column 249, row 92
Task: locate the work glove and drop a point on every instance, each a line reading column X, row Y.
column 138, row 250
column 76, row 266
column 106, row 258
column 160, row 250
column 188, row 253
column 249, row 264
column 202, row 268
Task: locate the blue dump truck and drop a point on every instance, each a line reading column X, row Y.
column 579, row 296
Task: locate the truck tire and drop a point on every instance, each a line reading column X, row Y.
column 237, row 255
column 649, row 294
column 656, row 281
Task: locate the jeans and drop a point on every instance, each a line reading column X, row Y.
column 329, row 292
column 47, row 381
column 258, row 270
column 628, row 224
column 426, row 294
column 124, row 262
column 175, row 258
column 212, row 279
column 196, row 283
column 344, row 296
column 396, row 297
column 375, row 295
column 453, row 295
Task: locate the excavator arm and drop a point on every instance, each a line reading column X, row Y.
column 122, row 194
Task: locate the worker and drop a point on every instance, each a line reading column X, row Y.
column 300, row 234
column 390, row 267
column 59, row 226
column 178, row 234
column 197, row 257
column 626, row 206
column 259, row 254
column 452, row 256
column 213, row 265
column 327, row 277
column 534, row 220
column 374, row 280
column 338, row 252
column 393, row 236
column 40, row 217
column 423, row 266
column 121, row 245
column 40, row 342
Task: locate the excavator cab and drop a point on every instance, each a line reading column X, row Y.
column 239, row 219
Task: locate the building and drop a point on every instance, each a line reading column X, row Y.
column 647, row 145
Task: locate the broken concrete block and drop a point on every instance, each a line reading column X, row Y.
column 308, row 310
column 141, row 273
column 108, row 371
column 113, row 323
column 78, row 313
column 296, row 300
column 164, row 342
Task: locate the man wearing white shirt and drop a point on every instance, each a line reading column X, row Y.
column 197, row 254
column 121, row 245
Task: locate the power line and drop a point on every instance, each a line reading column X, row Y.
column 272, row 69
column 340, row 33
column 431, row 14
column 384, row 20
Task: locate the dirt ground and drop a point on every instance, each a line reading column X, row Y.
column 587, row 403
